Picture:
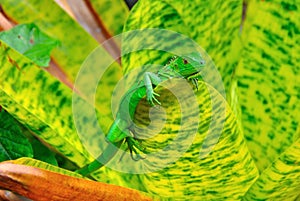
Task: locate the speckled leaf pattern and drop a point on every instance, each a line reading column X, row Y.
column 112, row 13
column 268, row 79
column 260, row 135
column 70, row 55
column 76, row 44
column 13, row 144
column 268, row 91
column 214, row 25
column 36, row 163
column 40, row 102
column 231, row 56
column 226, row 173
column 146, row 14
column 281, row 180
column 98, row 77
column 184, row 179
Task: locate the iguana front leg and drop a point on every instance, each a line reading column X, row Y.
column 151, row 79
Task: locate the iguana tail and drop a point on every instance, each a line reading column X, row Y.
column 104, row 158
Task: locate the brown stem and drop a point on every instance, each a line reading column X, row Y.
column 5, row 23
column 57, row 72
column 91, row 22
column 64, row 5
column 43, row 185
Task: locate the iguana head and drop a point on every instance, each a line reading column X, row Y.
column 187, row 65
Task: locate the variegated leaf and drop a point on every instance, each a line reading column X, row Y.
column 268, row 79
column 40, row 102
column 76, row 44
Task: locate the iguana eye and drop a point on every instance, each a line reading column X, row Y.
column 185, row 61
column 202, row 62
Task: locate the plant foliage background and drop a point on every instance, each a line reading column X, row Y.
column 257, row 53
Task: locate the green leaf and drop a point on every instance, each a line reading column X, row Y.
column 147, row 14
column 70, row 57
column 76, row 44
column 281, row 180
column 214, row 25
column 39, row 102
column 43, row 165
column 13, row 144
column 228, row 171
column 189, row 177
column 268, row 80
column 30, row 41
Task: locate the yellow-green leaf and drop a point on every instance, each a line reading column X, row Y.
column 268, row 80
column 113, row 14
column 43, row 165
column 214, row 25
column 226, row 172
column 281, row 180
column 76, row 44
column 40, row 102
column 178, row 172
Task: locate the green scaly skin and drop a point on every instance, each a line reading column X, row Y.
column 187, row 67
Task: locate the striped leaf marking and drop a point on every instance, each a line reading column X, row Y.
column 281, row 180
column 40, row 102
column 268, row 80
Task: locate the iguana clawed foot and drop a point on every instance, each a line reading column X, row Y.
column 195, row 82
column 151, row 98
column 135, row 148
column 194, row 79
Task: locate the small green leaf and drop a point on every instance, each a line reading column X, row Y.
column 13, row 144
column 29, row 40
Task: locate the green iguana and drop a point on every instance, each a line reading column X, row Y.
column 187, row 67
